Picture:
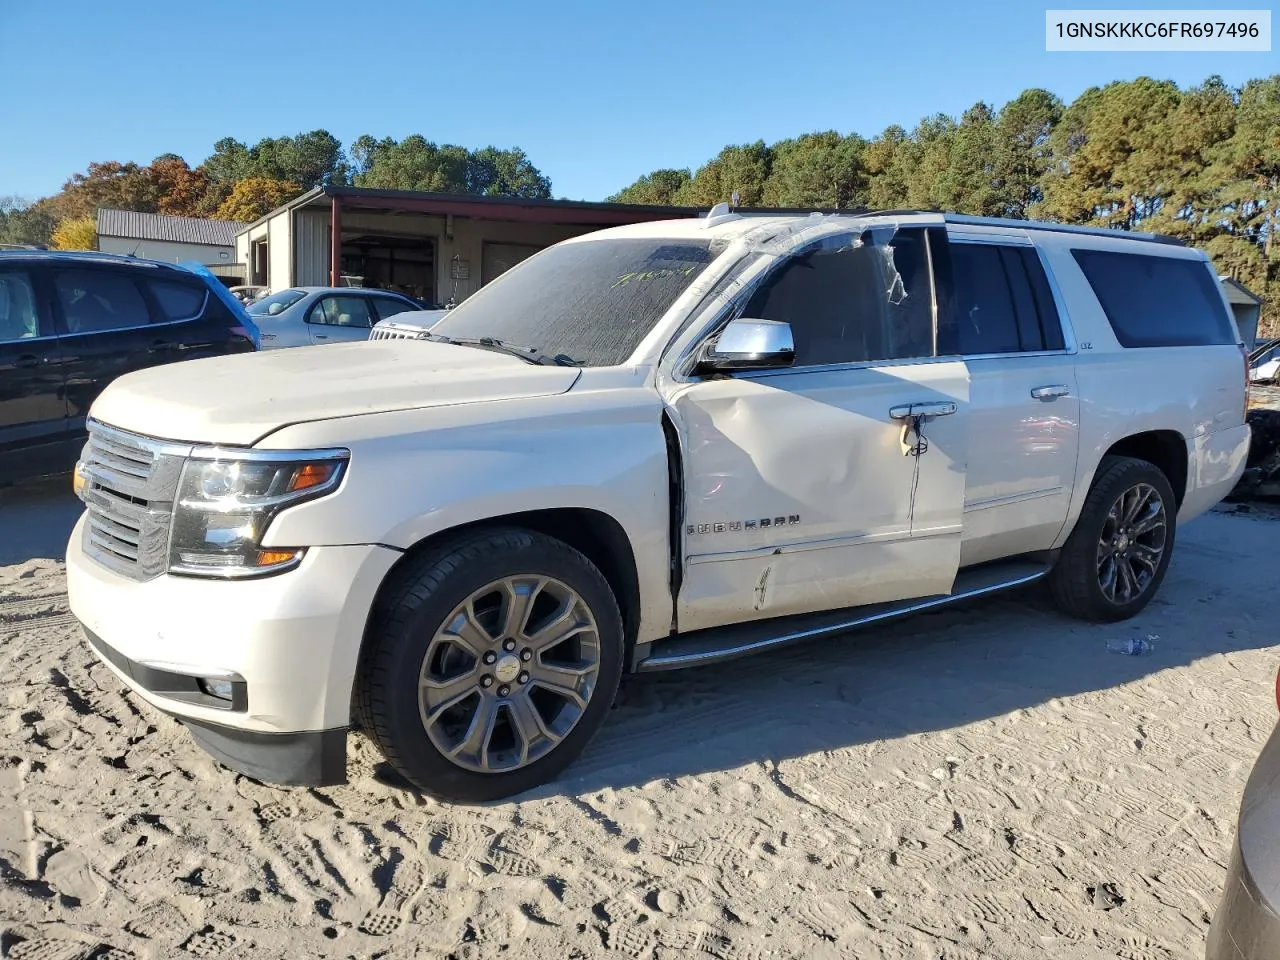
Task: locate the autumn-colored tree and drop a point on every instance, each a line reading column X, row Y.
column 125, row 186
column 180, row 191
column 255, row 197
column 78, row 233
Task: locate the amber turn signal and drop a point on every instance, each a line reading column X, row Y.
column 311, row 475
column 272, row 558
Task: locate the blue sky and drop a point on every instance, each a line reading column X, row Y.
column 596, row 93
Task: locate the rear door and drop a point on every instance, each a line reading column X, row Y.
column 997, row 313
column 800, row 492
column 340, row 318
column 33, row 412
column 104, row 320
column 188, row 321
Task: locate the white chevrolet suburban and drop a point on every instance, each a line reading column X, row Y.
column 646, row 448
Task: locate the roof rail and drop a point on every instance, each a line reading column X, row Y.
column 960, row 218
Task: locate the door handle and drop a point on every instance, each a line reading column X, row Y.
column 28, row 361
column 935, row 408
column 322, row 336
column 1050, row 392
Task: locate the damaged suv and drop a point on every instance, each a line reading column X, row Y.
column 649, row 447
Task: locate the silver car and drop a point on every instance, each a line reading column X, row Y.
column 301, row 316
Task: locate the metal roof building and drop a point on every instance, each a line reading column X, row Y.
column 175, row 239
column 437, row 247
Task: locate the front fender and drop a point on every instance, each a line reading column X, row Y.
column 416, row 474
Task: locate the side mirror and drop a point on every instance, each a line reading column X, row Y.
column 274, row 309
column 749, row 345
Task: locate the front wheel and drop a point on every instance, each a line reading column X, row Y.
column 1117, row 555
column 493, row 661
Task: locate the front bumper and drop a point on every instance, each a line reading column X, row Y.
column 287, row 644
column 1247, row 923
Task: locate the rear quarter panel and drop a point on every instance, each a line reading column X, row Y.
column 1193, row 391
column 415, row 474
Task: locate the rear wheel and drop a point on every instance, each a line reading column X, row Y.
column 1117, row 555
column 493, row 663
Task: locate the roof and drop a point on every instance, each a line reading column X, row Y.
column 88, row 256
column 583, row 212
column 157, row 226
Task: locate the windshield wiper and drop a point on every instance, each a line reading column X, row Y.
column 527, row 354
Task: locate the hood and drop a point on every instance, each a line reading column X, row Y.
column 239, row 399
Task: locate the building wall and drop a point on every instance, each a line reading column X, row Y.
column 467, row 240
column 1247, row 315
column 168, row 250
column 300, row 256
column 280, row 251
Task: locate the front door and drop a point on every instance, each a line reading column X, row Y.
column 33, row 412
column 811, row 488
column 340, row 318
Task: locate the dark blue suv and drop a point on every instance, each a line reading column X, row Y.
column 70, row 323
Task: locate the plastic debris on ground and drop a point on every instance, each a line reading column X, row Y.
column 1134, row 646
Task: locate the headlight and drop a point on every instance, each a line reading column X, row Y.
column 227, row 499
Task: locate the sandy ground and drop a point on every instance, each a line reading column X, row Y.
column 985, row 782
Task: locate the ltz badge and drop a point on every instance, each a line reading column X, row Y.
column 737, row 526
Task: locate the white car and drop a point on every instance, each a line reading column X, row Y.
column 649, row 447
column 302, row 316
column 1264, row 363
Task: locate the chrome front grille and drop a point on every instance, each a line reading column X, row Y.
column 129, row 485
column 390, row 330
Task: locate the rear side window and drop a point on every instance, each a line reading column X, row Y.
column 1154, row 301
column 177, row 301
column 1002, row 303
column 94, row 301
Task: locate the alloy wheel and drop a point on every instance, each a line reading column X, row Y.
column 1132, row 544
column 509, row 673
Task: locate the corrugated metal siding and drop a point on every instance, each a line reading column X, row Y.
column 155, row 226
column 311, row 248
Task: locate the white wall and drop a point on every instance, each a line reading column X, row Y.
column 279, row 251
column 168, row 250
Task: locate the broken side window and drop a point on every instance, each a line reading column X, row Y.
column 853, row 299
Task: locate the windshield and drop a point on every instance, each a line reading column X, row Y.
column 591, row 300
column 286, row 298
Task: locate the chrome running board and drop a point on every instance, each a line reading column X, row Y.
column 740, row 639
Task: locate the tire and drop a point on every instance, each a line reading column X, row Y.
column 1103, row 544
column 413, row 667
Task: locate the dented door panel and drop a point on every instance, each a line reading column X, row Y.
column 799, row 492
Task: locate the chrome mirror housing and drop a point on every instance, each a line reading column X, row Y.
column 748, row 344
